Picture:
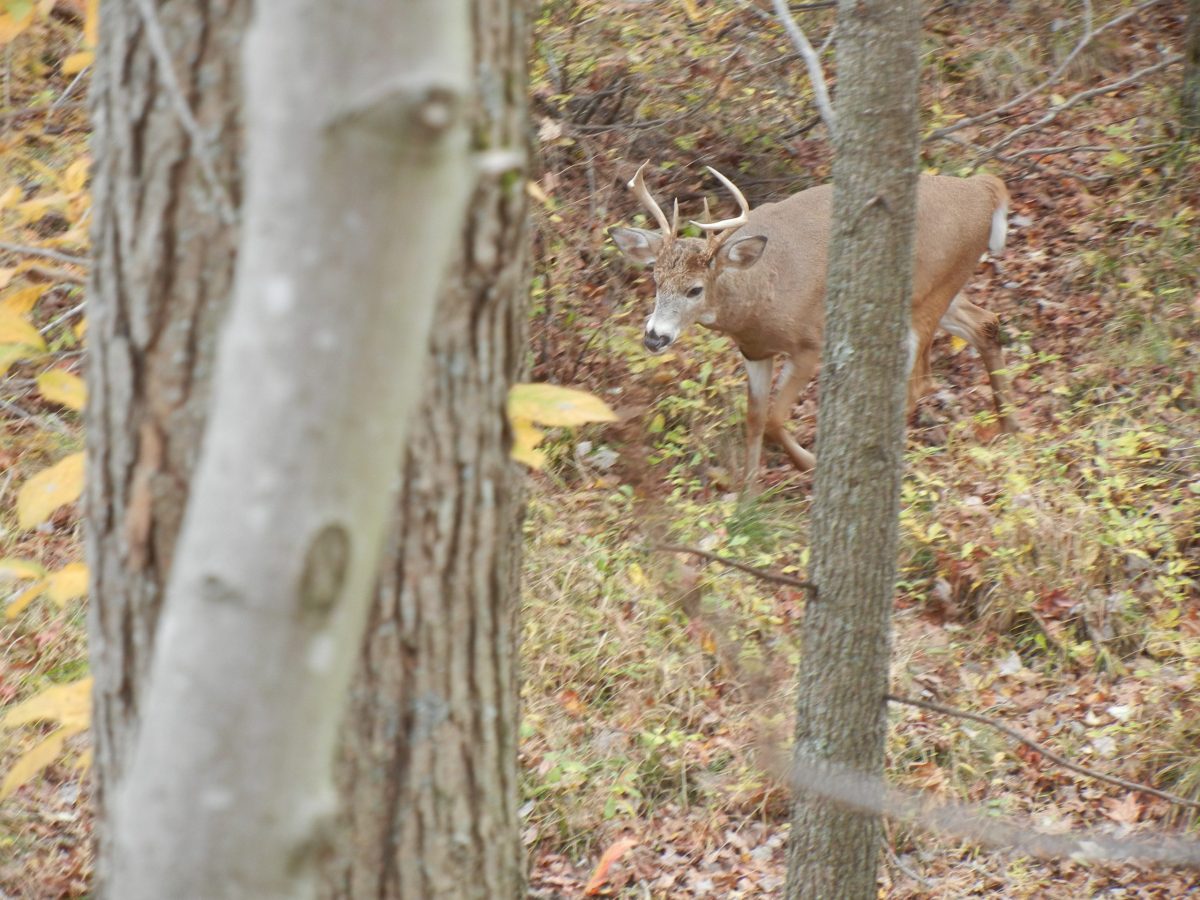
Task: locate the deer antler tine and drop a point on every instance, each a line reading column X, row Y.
column 637, row 184
column 736, row 222
column 707, row 211
column 675, row 217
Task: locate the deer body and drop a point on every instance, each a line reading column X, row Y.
column 760, row 279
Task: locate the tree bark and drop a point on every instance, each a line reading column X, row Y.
column 161, row 278
column 357, row 173
column 429, row 762
column 1190, row 93
column 842, row 724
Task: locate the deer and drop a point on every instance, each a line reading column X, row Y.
column 759, row 278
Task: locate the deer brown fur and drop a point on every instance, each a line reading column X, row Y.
column 760, row 279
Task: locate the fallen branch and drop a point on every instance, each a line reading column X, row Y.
column 1089, row 35
column 1053, row 112
column 1049, row 754
column 764, row 574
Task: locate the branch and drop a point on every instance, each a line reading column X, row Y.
column 765, row 575
column 1088, row 36
column 811, row 61
column 201, row 146
column 1049, row 754
column 26, row 250
column 1053, row 112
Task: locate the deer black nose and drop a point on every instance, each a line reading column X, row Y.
column 655, row 341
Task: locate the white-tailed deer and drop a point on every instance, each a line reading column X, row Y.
column 760, row 278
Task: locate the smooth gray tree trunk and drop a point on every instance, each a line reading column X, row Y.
column 161, row 278
column 429, row 760
column 356, row 172
column 841, row 723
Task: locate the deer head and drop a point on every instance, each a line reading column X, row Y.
column 686, row 269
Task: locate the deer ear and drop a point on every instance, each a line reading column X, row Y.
column 641, row 246
column 742, row 253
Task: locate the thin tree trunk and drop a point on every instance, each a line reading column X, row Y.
column 429, row 758
column 1190, row 94
column 356, row 176
column 161, row 278
column 844, row 663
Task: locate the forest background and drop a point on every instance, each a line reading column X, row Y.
column 1048, row 580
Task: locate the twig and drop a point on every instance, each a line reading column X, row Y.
column 26, row 250
column 201, row 146
column 765, row 575
column 1088, row 36
column 811, row 61
column 57, row 274
column 1089, row 148
column 38, row 110
column 57, row 320
column 1049, row 754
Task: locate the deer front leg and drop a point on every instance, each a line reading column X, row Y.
column 758, row 393
column 797, row 373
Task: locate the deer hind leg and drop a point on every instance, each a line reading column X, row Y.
column 981, row 329
column 758, row 395
column 797, row 373
column 919, row 374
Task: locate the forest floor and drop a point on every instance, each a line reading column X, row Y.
column 1048, row 580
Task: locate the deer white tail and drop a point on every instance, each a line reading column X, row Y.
column 999, row 230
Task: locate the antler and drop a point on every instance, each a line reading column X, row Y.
column 719, row 231
column 637, row 184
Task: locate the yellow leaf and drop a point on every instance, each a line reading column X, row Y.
column 23, row 599
column 85, row 760
column 81, row 329
column 9, row 354
column 15, row 330
column 693, row 12
column 10, row 197
column 22, row 300
column 77, row 62
column 956, row 343
column 30, row 763
column 75, row 178
column 49, row 489
column 33, row 210
column 68, row 583
column 11, row 26
column 60, row 386
column 20, row 568
column 550, row 404
column 68, row 704
column 91, row 23
column 525, row 439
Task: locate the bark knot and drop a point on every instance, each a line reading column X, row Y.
column 325, row 566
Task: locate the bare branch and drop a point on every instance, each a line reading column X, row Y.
column 1049, row 754
column 764, row 574
column 1053, row 112
column 26, row 250
column 811, row 61
column 1088, row 36
column 869, row 793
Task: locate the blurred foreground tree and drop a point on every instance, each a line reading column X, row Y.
column 215, row 734
column 842, row 722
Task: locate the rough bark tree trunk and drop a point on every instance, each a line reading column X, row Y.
column 161, row 278
column 429, row 757
column 1190, row 93
column 842, row 723
column 356, row 174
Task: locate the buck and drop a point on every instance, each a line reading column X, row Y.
column 760, row 279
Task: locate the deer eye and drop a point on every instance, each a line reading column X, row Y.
column 695, row 291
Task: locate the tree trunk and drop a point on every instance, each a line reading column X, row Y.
column 161, row 278
column 430, row 757
column 1190, row 94
column 842, row 723
column 356, row 177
